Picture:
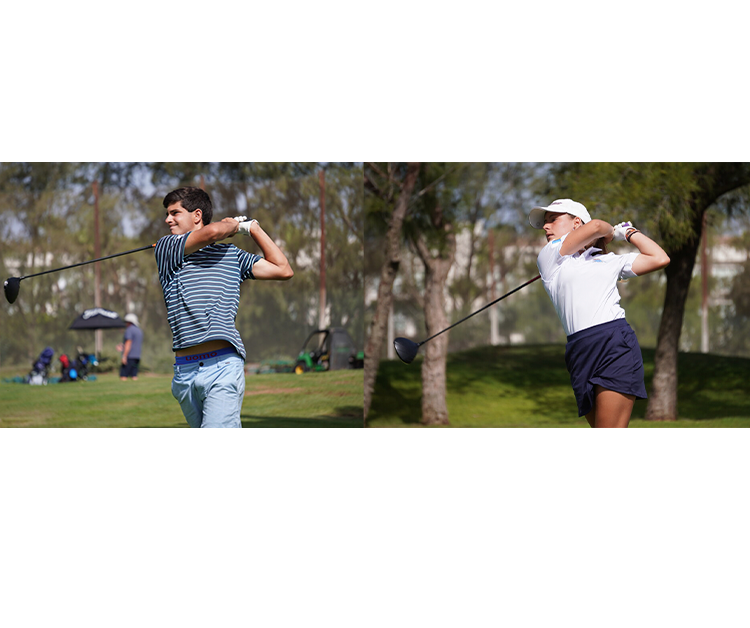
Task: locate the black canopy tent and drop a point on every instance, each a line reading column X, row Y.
column 98, row 318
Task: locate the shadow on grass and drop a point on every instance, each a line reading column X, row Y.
column 712, row 386
column 343, row 416
column 401, row 403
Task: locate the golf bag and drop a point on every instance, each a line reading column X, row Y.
column 78, row 369
column 82, row 363
column 68, row 372
column 40, row 369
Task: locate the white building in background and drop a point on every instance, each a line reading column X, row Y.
column 725, row 262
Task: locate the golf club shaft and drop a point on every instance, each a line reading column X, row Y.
column 482, row 309
column 54, row 270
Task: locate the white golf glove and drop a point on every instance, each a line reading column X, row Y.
column 245, row 225
column 621, row 230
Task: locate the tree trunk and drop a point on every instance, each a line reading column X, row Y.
column 715, row 180
column 662, row 403
column 434, row 405
column 388, row 273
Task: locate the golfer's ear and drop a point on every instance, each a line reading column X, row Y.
column 197, row 216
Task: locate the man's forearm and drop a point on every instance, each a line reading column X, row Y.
column 209, row 234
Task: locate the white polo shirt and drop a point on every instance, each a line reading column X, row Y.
column 583, row 286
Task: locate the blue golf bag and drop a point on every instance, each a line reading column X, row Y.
column 40, row 369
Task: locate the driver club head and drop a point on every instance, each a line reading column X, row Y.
column 406, row 349
column 11, row 286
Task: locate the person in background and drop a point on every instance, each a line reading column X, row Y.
column 132, row 343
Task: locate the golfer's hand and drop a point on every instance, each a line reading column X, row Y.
column 233, row 223
column 621, row 230
column 244, row 226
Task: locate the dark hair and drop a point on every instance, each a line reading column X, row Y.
column 192, row 199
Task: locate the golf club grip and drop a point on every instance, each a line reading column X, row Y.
column 99, row 259
column 483, row 308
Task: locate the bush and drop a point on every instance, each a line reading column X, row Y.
column 107, row 363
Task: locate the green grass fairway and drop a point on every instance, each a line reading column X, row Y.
column 529, row 386
column 332, row 399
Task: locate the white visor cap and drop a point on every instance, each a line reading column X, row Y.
column 132, row 318
column 560, row 206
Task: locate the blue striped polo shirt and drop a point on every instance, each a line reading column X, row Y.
column 202, row 290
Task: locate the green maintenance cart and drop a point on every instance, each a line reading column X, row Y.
column 329, row 350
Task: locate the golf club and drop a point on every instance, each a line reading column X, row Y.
column 407, row 349
column 13, row 284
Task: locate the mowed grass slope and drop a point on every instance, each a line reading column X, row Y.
column 529, row 386
column 332, row 399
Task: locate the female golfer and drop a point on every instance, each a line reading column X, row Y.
column 602, row 353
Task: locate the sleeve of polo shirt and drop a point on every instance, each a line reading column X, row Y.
column 626, row 265
column 170, row 254
column 246, row 262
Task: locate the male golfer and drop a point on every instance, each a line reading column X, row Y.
column 201, row 283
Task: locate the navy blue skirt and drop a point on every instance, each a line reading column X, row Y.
column 608, row 355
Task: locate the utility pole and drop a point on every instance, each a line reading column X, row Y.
column 97, row 269
column 322, row 318
column 494, row 336
column 704, row 287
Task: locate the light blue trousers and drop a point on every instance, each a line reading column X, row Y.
column 210, row 392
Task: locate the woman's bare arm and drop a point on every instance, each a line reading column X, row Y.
column 587, row 234
column 652, row 257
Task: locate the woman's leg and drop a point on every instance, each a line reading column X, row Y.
column 611, row 409
column 591, row 417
